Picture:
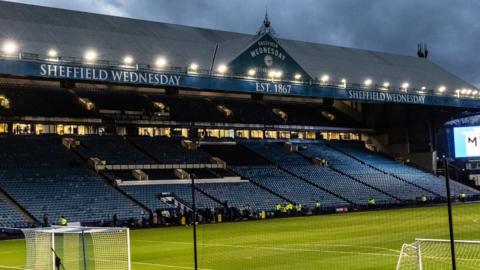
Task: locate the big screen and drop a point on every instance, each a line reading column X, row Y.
column 466, row 141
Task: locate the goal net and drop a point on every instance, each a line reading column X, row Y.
column 435, row 254
column 82, row 248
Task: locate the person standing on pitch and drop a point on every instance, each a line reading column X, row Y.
column 63, row 221
column 317, row 207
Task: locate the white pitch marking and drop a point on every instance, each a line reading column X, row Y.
column 276, row 248
column 168, row 266
column 11, row 267
column 340, row 245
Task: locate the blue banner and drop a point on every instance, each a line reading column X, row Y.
column 97, row 74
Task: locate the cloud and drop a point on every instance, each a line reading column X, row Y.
column 448, row 27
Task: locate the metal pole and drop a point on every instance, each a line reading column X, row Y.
column 194, row 209
column 450, row 220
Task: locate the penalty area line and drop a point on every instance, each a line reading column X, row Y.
column 276, row 248
column 163, row 265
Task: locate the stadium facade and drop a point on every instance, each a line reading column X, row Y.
column 234, row 109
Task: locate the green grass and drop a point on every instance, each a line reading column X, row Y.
column 361, row 241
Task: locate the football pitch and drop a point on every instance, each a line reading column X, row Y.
column 356, row 240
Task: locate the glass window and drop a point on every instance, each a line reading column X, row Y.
column 270, row 134
column 242, row 134
column 21, row 128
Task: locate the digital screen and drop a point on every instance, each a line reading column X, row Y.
column 466, row 141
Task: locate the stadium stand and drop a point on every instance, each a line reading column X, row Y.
column 48, row 180
column 395, row 170
column 251, row 142
column 169, row 151
column 313, row 115
column 248, row 111
column 355, row 191
column 371, row 183
column 206, row 109
column 288, row 186
column 75, row 193
column 235, row 155
column 242, row 195
column 149, row 195
column 121, row 102
column 43, row 101
column 359, row 171
column 186, row 108
column 276, row 154
column 113, row 149
column 9, row 217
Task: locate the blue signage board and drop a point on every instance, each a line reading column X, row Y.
column 100, row 74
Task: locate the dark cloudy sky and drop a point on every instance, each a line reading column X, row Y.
column 450, row 27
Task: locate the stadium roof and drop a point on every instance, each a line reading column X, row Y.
column 38, row 29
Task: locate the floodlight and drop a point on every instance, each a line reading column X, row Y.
column 10, row 47
column 161, row 62
column 90, row 55
column 128, row 60
column 52, row 53
column 325, row 78
column 222, row 69
column 193, row 67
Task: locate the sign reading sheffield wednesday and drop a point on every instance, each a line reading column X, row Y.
column 385, row 97
column 107, row 75
column 50, row 70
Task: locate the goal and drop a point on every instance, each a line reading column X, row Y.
column 82, row 248
column 435, row 254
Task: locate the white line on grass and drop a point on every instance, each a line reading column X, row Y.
column 10, row 252
column 340, row 245
column 11, row 267
column 168, row 266
column 140, row 263
column 275, row 248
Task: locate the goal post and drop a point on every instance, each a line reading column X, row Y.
column 82, row 248
column 434, row 254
